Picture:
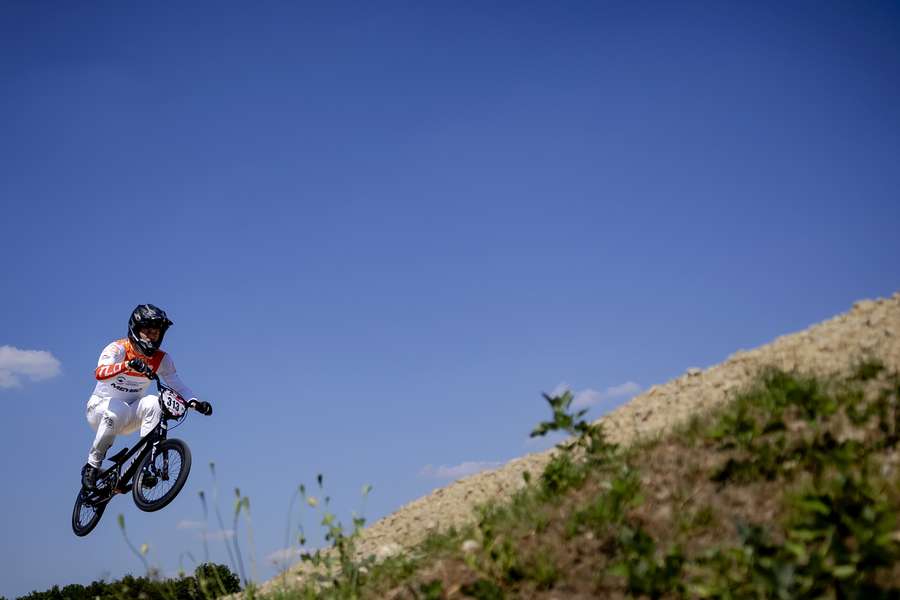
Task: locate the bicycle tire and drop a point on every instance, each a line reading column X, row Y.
column 143, row 496
column 81, row 525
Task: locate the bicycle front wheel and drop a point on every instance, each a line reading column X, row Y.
column 86, row 514
column 157, row 482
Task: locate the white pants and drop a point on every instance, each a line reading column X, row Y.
column 110, row 418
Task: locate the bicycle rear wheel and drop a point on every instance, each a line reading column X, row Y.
column 86, row 514
column 158, row 482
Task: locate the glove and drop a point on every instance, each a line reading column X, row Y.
column 136, row 364
column 204, row 408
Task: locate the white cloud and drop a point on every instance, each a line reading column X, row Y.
column 218, row 536
column 586, row 398
column 456, row 471
column 36, row 365
column 629, row 388
column 590, row 397
column 285, row 556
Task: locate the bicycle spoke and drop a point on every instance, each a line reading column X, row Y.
column 86, row 514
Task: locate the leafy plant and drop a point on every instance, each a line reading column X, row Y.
column 645, row 572
column 561, row 474
column 564, row 471
column 483, row 589
column 608, row 509
column 432, row 590
column 588, row 437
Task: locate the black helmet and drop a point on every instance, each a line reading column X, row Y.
column 147, row 315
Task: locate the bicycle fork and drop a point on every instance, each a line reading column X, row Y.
column 163, row 472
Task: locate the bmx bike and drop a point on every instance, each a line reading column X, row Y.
column 158, row 471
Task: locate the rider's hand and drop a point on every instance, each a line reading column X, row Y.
column 136, row 364
column 204, row 408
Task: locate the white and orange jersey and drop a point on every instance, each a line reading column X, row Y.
column 116, row 381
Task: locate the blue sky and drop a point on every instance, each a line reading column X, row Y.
column 382, row 230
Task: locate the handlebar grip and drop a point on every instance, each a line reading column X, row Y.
column 204, row 408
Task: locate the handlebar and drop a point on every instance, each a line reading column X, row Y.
column 204, row 408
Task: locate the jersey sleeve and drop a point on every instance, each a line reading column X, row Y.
column 111, row 362
column 171, row 378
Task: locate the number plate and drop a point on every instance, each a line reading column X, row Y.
column 173, row 403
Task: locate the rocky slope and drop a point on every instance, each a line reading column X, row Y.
column 870, row 329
